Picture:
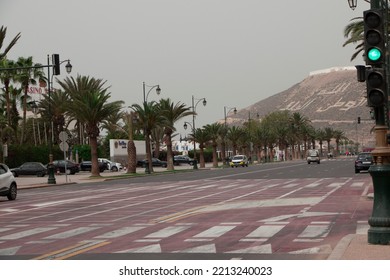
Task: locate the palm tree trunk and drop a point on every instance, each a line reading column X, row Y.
column 169, row 152
column 94, row 156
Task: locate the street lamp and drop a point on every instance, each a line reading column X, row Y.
column 194, row 105
column 56, row 66
column 149, row 166
column 226, row 111
column 352, row 4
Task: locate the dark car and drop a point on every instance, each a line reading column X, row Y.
column 155, row 162
column 87, row 166
column 177, row 160
column 71, row 167
column 363, row 161
column 30, row 168
column 8, row 185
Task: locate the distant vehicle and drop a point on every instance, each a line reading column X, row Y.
column 363, row 161
column 87, row 166
column 239, row 160
column 113, row 166
column 30, row 168
column 71, row 167
column 155, row 162
column 313, row 156
column 8, row 186
column 177, row 160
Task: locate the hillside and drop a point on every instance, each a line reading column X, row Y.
column 331, row 97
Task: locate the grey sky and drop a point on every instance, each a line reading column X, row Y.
column 232, row 52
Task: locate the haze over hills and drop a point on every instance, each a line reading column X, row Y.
column 329, row 98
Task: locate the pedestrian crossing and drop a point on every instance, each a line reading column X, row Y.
column 144, row 238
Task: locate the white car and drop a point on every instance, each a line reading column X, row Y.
column 239, row 160
column 8, row 185
column 113, row 166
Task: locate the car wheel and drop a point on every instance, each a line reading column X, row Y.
column 114, row 168
column 308, row 162
column 357, row 171
column 40, row 174
column 12, row 193
column 318, row 162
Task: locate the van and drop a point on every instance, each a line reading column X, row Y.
column 313, row 156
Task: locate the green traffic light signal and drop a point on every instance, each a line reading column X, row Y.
column 374, row 54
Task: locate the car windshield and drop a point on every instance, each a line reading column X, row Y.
column 313, row 154
column 238, row 157
column 365, row 156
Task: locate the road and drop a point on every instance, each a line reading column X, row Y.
column 288, row 210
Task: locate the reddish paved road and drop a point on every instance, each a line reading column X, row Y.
column 246, row 216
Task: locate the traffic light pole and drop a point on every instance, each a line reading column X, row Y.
column 379, row 231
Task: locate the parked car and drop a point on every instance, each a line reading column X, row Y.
column 363, row 161
column 313, row 156
column 8, row 186
column 155, row 162
column 239, row 160
column 87, row 166
column 71, row 167
column 30, row 168
column 111, row 165
column 177, row 160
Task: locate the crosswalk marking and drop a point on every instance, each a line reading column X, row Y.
column 168, row 231
column 119, row 232
column 71, row 233
column 214, row 232
column 265, row 231
column 26, row 233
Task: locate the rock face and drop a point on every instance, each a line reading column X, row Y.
column 331, row 97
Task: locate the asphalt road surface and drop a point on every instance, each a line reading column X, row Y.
column 289, row 210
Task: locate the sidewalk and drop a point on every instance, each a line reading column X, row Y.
column 350, row 247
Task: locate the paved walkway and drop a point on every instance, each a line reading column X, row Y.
column 351, row 247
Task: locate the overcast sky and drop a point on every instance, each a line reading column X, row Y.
column 232, row 52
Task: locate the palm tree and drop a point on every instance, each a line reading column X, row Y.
column 131, row 149
column 89, row 104
column 172, row 113
column 328, row 136
column 233, row 135
column 339, row 136
column 6, row 78
column 3, row 32
column 298, row 123
column 149, row 118
column 26, row 77
column 202, row 138
column 213, row 132
column 53, row 111
column 320, row 135
column 354, row 32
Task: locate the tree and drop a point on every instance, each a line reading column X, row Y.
column 213, row 132
column 89, row 104
column 328, row 136
column 354, row 32
column 171, row 113
column 6, row 77
column 26, row 77
column 233, row 135
column 149, row 118
column 339, row 136
column 202, row 138
column 3, row 33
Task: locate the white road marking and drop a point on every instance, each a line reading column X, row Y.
column 214, row 232
column 71, row 233
column 168, row 231
column 26, row 233
column 265, row 231
column 119, row 232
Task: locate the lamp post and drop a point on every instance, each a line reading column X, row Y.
column 194, row 105
column 226, row 111
column 56, row 65
column 149, row 166
column 379, row 231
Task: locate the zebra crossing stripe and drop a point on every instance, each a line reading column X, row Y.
column 26, row 233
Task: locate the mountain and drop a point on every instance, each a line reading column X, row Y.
column 331, row 97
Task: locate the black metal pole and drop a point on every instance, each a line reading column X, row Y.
column 50, row 168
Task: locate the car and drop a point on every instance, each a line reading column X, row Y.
column 86, row 165
column 239, row 160
column 177, row 160
column 71, row 167
column 313, row 156
column 8, row 186
column 111, row 165
column 363, row 161
column 30, row 168
column 155, row 162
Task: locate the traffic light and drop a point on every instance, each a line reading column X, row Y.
column 376, row 87
column 56, row 64
column 374, row 39
column 358, row 120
